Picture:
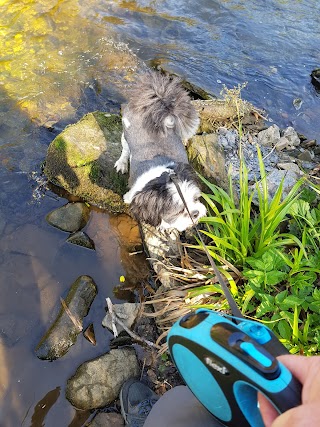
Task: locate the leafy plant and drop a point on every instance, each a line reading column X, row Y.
column 275, row 245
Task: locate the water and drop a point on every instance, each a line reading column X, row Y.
column 62, row 59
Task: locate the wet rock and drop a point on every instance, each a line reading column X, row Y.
column 81, row 238
column 70, row 217
column 269, row 137
column 63, row 333
column 315, row 78
column 81, row 160
column 97, row 383
column 207, row 157
column 104, row 419
column 89, row 334
column 126, row 312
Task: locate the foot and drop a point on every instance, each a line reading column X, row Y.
column 136, row 401
column 121, row 165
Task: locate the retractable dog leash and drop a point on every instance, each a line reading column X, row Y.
column 225, row 360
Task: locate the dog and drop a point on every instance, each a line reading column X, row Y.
column 157, row 118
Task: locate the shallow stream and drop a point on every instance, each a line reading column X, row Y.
column 61, row 59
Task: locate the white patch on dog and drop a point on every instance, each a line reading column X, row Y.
column 197, row 210
column 121, row 164
column 144, row 179
column 126, row 122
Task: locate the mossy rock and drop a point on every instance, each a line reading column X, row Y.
column 81, row 158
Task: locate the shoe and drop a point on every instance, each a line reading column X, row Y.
column 136, row 400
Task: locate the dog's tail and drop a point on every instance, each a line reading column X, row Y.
column 163, row 104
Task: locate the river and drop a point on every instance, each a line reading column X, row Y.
column 62, row 59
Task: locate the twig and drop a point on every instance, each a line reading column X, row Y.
column 74, row 320
column 113, row 317
column 133, row 335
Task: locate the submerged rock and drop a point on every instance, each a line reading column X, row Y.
column 63, row 333
column 81, row 238
column 97, row 383
column 81, row 160
column 70, row 217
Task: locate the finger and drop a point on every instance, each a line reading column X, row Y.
column 268, row 412
column 307, row 371
column 301, row 416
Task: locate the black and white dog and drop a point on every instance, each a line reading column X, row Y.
column 156, row 119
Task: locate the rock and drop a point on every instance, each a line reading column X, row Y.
column 70, row 217
column 289, row 178
column 297, row 102
column 81, row 159
column 269, row 137
column 81, row 238
column 290, row 167
column 282, row 144
column 63, row 333
column 97, row 383
column 291, row 135
column 127, row 312
column 207, row 157
column 215, row 113
column 306, row 156
column 107, row 419
column 315, row 78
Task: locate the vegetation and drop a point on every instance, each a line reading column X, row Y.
column 273, row 245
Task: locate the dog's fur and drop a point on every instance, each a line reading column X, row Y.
column 157, row 118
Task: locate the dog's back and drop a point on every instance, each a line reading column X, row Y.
column 158, row 116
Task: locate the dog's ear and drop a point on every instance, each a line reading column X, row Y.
column 145, row 207
column 150, row 204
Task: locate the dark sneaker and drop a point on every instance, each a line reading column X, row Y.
column 136, row 401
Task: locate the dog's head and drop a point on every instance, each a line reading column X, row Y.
column 159, row 204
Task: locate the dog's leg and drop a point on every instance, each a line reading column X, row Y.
column 121, row 164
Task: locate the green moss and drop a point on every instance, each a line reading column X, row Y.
column 110, row 122
column 59, row 143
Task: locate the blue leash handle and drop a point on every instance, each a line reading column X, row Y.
column 226, row 364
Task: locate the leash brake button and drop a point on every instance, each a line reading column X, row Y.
column 250, row 349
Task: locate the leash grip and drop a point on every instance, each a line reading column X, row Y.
column 225, row 365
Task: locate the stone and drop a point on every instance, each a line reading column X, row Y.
column 81, row 238
column 97, row 383
column 289, row 178
column 291, row 135
column 269, row 137
column 63, row 332
column 290, row 167
column 282, row 144
column 71, row 217
column 207, row 157
column 81, row 159
column 306, row 156
column 127, row 313
column 107, row 419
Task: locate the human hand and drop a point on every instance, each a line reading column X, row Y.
column 307, row 371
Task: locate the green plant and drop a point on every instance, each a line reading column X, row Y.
column 236, row 229
column 275, row 245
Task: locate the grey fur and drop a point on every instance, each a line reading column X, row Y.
column 154, row 98
column 157, row 117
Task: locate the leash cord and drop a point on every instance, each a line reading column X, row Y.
column 232, row 304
